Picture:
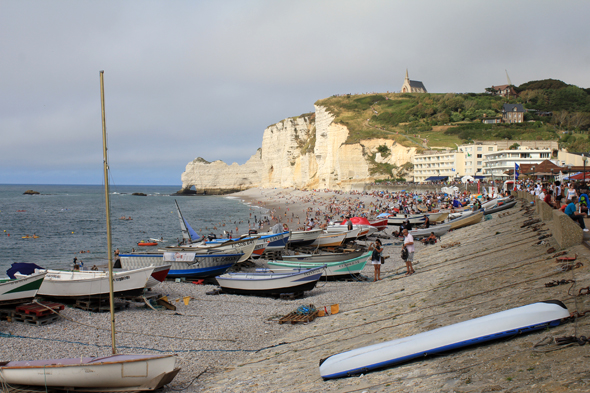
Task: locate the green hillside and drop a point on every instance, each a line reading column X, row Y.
column 559, row 111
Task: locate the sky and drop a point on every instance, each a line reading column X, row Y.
column 188, row 79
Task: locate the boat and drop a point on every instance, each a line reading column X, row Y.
column 330, row 240
column 417, row 218
column 125, row 373
column 503, row 324
column 270, row 283
column 353, row 234
column 85, row 284
column 327, row 257
column 380, row 224
column 501, row 206
column 245, row 246
column 21, row 290
column 118, row 372
column 303, row 238
column 438, row 230
column 333, row 269
column 184, row 264
column 147, row 244
column 465, row 221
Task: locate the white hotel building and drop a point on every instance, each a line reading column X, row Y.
column 473, row 160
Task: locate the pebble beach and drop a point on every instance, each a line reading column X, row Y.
column 232, row 343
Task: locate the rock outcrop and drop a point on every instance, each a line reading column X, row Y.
column 303, row 152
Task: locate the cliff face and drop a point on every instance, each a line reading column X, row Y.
column 302, row 152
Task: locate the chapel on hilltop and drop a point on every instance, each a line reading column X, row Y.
column 412, row 86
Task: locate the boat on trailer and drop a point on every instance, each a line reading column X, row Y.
column 503, row 324
column 270, row 283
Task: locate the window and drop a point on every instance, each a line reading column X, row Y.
column 479, row 156
column 479, row 148
column 490, row 149
column 479, row 163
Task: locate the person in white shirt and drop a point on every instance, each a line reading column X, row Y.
column 409, row 245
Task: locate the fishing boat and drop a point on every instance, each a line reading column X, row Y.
column 438, row 231
column 270, row 283
column 503, row 324
column 327, row 257
column 21, row 290
column 345, row 268
column 115, row 373
column 499, row 207
column 353, row 234
column 244, row 246
column 380, row 224
column 85, row 284
column 303, row 238
column 417, row 218
column 465, row 221
column 184, row 264
column 330, row 240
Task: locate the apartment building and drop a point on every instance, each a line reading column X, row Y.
column 499, row 162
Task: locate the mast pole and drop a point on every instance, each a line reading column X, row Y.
column 108, row 212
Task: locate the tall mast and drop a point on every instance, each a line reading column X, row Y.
column 108, row 211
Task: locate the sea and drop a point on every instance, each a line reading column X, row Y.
column 70, row 221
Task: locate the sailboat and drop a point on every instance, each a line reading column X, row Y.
column 114, row 373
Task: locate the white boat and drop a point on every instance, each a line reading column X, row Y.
column 490, row 327
column 417, row 218
column 85, row 284
column 242, row 246
column 332, row 269
column 500, row 206
column 320, row 258
column 116, row 373
column 120, row 373
column 461, row 214
column 353, row 234
column 438, row 230
column 270, row 283
column 21, row 290
column 303, row 238
column 330, row 240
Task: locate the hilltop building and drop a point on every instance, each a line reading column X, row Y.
column 503, row 90
column 512, row 113
column 412, row 86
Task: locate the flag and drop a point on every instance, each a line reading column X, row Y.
column 516, row 168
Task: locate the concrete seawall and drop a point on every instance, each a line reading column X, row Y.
column 566, row 231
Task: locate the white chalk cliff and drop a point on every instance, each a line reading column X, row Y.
column 302, row 152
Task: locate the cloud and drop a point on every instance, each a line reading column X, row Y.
column 185, row 79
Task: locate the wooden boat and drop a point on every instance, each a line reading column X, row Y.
column 245, row 246
column 116, row 373
column 461, row 214
column 333, row 269
column 354, row 234
column 503, row 324
column 22, row 290
column 147, row 244
column 120, row 373
column 417, row 218
column 380, row 224
column 270, row 283
column 327, row 257
column 303, row 238
column 465, row 221
column 438, row 230
column 184, row 264
column 329, row 240
column 501, row 206
column 72, row 284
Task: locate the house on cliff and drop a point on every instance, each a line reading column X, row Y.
column 413, row 86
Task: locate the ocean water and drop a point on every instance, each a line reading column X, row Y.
column 71, row 218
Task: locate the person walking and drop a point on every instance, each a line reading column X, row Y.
column 409, row 246
column 376, row 258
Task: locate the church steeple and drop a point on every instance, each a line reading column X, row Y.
column 407, row 77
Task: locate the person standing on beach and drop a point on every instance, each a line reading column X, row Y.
column 409, row 245
column 376, row 258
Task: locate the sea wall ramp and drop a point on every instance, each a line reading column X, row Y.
column 493, row 266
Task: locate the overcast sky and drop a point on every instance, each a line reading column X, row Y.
column 187, row 79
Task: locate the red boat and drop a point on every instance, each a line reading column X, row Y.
column 147, row 244
column 380, row 224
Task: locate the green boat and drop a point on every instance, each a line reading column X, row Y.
column 20, row 291
column 333, row 269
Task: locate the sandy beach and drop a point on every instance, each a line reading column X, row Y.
column 234, row 343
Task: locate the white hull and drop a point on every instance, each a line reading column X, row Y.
column 246, row 246
column 299, row 237
column 22, row 289
column 503, row 324
column 99, row 374
column 87, row 283
column 329, row 240
column 269, row 283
